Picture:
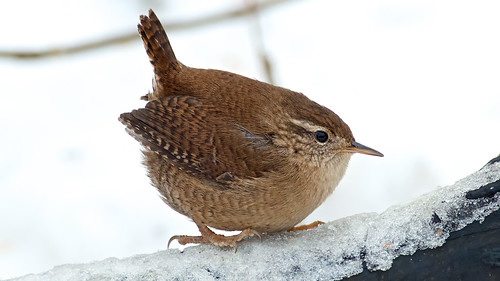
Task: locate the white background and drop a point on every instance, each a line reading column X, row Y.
column 416, row 80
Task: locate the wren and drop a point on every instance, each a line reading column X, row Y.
column 233, row 153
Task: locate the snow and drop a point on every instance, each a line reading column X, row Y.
column 332, row 251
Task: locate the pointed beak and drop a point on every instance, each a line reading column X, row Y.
column 359, row 148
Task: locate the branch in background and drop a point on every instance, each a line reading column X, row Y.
column 259, row 40
column 57, row 51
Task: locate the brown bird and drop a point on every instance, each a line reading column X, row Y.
column 231, row 152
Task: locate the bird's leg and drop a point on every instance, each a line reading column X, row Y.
column 306, row 226
column 209, row 237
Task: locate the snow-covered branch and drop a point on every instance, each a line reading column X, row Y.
column 444, row 234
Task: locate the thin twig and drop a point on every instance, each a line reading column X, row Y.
column 57, row 51
column 259, row 40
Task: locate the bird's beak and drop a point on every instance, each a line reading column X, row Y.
column 359, row 148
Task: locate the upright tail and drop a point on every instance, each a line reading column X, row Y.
column 160, row 53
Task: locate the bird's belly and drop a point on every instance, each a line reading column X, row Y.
column 265, row 210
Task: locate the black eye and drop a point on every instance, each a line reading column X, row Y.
column 321, row 136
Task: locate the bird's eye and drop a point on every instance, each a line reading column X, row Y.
column 321, row 136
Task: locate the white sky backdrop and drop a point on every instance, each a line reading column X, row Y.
column 417, row 80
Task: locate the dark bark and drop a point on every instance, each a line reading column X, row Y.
column 472, row 253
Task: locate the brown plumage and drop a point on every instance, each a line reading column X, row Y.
column 231, row 152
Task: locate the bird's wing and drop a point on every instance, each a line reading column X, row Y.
column 197, row 138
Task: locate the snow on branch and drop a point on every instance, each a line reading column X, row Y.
column 443, row 234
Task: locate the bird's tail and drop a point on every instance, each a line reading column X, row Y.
column 160, row 53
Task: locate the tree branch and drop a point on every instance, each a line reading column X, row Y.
column 211, row 19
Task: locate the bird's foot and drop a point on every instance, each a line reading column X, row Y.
column 210, row 237
column 306, row 226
